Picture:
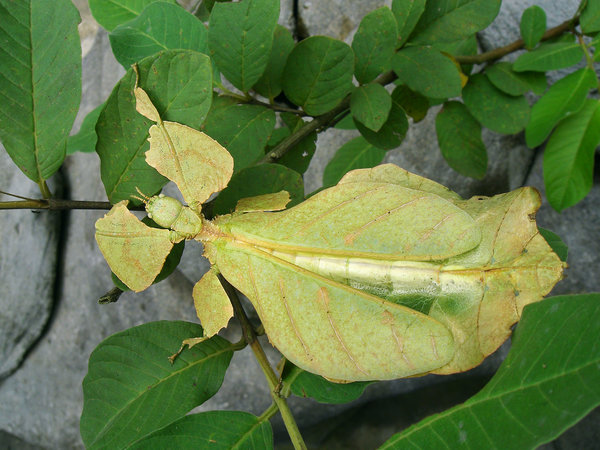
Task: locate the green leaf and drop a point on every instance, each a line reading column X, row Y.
column 557, row 244
column 451, row 20
column 240, row 37
column 131, row 389
column 111, row 13
column 259, row 180
column 270, row 83
column 533, row 25
column 179, row 83
column 590, row 17
column 242, row 129
column 392, row 133
column 216, row 430
column 569, row 157
column 414, row 104
column 514, row 83
column 346, row 123
column 160, row 26
column 370, row 105
column 549, row 57
column 465, row 47
column 298, row 158
column 85, row 140
column 306, row 384
column 40, row 83
column 407, row 15
column 493, row 108
column 548, row 382
column 374, row 44
column 278, row 135
column 565, row 97
column 427, row 71
column 318, row 74
column 354, row 154
column 459, row 137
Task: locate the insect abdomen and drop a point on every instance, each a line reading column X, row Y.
column 414, row 284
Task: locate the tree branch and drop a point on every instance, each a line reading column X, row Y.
column 322, row 121
column 57, row 204
column 499, row 52
column 326, row 120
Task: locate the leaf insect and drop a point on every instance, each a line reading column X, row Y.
column 385, row 275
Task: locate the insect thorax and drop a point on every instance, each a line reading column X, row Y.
column 168, row 212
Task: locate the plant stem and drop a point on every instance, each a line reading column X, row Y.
column 499, row 52
column 56, row 204
column 269, row 412
column 44, row 189
column 322, row 121
column 261, row 357
column 255, row 101
column 326, row 120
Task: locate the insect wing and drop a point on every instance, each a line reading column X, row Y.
column 134, row 251
column 329, row 328
column 366, row 219
column 515, row 266
column 198, row 164
column 392, row 174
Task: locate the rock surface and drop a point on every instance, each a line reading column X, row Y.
column 29, row 244
column 40, row 403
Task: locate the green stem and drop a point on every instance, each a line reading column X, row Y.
column 44, row 189
column 261, row 357
column 269, row 412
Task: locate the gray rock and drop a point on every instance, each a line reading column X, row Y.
column 505, row 28
column 335, row 18
column 29, row 244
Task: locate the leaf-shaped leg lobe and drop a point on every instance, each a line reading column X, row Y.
column 329, row 328
column 212, row 303
column 134, row 251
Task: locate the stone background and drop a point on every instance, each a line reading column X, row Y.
column 50, row 320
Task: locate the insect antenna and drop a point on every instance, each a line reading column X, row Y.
column 144, row 198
